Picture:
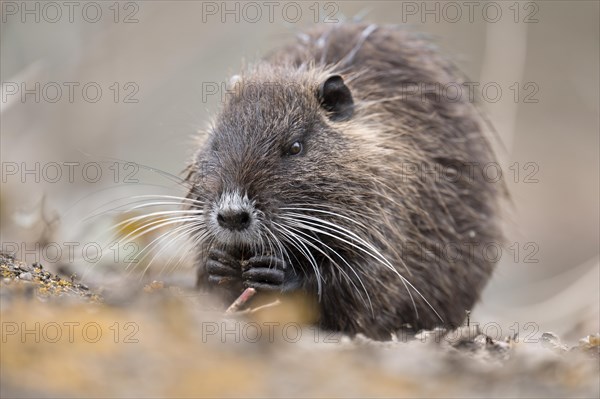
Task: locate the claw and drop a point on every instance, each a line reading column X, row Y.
column 222, row 268
column 222, row 257
column 268, row 261
column 264, row 275
column 214, row 267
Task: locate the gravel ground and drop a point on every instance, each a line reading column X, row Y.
column 61, row 338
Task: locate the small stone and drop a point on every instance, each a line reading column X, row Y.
column 482, row 340
column 154, row 286
column 551, row 340
column 590, row 342
column 25, row 267
column 26, row 276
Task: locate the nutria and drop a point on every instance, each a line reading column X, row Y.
column 319, row 176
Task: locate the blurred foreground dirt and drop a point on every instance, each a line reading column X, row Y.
column 64, row 339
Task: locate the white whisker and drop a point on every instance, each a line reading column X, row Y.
column 338, row 266
column 365, row 247
column 294, row 241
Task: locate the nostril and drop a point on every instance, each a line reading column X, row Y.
column 244, row 219
column 234, row 220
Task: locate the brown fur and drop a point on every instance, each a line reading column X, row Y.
column 359, row 168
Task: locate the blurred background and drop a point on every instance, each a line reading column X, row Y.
column 93, row 89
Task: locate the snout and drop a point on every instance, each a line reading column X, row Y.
column 234, row 219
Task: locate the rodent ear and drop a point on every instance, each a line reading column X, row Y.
column 336, row 98
column 233, row 81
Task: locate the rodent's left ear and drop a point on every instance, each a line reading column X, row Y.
column 336, row 98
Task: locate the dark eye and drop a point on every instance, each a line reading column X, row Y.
column 295, row 148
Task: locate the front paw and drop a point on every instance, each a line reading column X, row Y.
column 268, row 273
column 222, row 268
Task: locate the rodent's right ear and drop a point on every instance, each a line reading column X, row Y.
column 233, row 81
column 336, row 98
column 233, row 85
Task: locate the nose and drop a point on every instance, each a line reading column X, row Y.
column 233, row 219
